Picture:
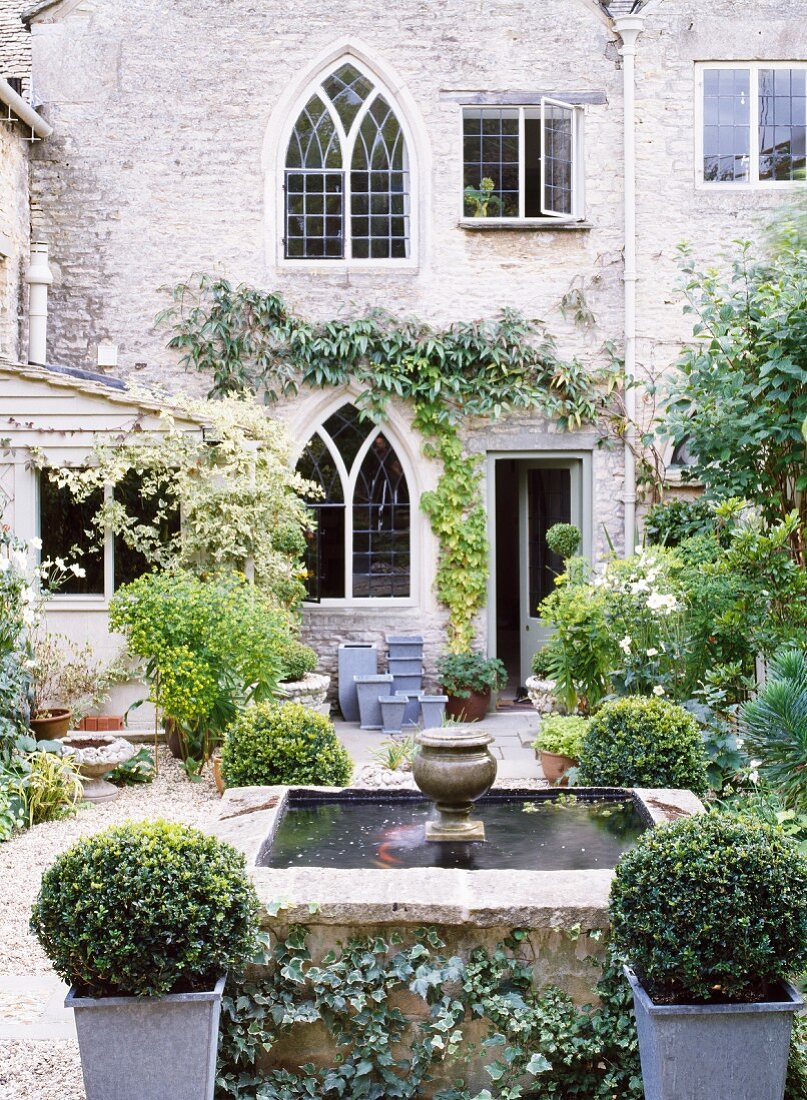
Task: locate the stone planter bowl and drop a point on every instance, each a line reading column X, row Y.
column 541, row 697
column 311, row 691
column 95, row 755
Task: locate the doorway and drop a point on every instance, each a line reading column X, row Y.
column 531, row 494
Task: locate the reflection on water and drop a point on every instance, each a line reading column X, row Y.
column 521, row 835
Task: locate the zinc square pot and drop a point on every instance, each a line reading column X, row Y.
column 432, row 709
column 368, row 690
column 149, row 1048
column 412, row 682
column 715, row 1051
column 405, row 666
column 354, row 659
column 393, row 708
column 404, row 645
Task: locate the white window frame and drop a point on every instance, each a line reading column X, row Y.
column 578, row 163
column 754, row 182
column 315, row 87
column 349, row 480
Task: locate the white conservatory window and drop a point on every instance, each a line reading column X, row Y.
column 359, row 547
column 753, row 124
column 347, row 180
column 523, row 163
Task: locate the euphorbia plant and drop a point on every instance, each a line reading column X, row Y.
column 209, row 646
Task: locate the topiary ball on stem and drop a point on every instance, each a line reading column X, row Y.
column 711, row 908
column 284, row 743
column 146, row 909
column 641, row 742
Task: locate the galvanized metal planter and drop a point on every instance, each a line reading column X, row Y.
column 149, row 1048
column 719, row 1052
column 355, row 659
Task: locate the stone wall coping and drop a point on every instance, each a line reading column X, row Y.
column 334, row 896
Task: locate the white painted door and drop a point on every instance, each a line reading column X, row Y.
column 550, row 492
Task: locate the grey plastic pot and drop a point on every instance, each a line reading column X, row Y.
column 368, row 689
column 392, row 712
column 405, row 645
column 355, row 659
column 148, row 1048
column 719, row 1052
column 432, row 709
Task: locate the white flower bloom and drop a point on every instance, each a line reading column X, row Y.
column 624, row 645
column 59, row 563
column 28, row 595
column 740, row 742
column 5, row 565
column 658, row 601
column 658, row 690
column 755, row 763
column 36, row 542
column 19, row 559
column 652, row 651
column 28, row 616
column 754, row 776
column 77, row 570
column 640, row 586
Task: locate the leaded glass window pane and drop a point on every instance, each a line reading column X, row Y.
column 726, row 125
column 491, row 153
column 782, row 128
column 314, row 221
column 348, row 431
column 348, row 89
column 325, row 546
column 314, row 141
column 381, row 554
column 379, row 185
column 557, row 138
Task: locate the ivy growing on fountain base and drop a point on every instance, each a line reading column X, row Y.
column 249, row 341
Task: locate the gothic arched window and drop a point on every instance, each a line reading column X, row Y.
column 347, row 188
column 360, row 545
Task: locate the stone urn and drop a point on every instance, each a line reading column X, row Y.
column 454, row 767
column 95, row 755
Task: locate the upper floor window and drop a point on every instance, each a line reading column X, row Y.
column 523, row 163
column 347, row 180
column 754, row 123
column 360, row 547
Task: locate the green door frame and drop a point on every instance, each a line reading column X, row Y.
column 546, row 457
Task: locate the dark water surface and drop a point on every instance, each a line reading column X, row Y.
column 522, row 834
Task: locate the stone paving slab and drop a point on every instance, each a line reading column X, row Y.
column 32, row 1007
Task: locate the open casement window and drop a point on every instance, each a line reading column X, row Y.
column 753, row 124
column 346, row 182
column 359, row 545
column 523, row 163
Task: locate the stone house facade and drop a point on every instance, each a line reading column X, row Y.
column 338, row 156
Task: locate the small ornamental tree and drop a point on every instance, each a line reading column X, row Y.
column 740, row 394
column 711, row 908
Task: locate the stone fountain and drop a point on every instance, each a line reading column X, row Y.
column 454, row 768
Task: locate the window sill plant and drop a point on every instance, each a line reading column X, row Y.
column 468, row 679
column 711, row 914
column 558, row 746
column 147, row 1004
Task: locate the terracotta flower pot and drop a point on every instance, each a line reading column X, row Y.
column 52, row 724
column 218, row 778
column 472, row 709
column 554, row 765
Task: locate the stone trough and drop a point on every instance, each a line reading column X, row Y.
column 468, row 908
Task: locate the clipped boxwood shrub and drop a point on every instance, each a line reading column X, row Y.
column 296, row 660
column 146, row 909
column 711, row 907
column 279, row 743
column 641, row 742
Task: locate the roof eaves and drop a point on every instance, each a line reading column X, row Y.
column 34, row 10
column 88, row 382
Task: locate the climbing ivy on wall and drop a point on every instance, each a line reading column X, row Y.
column 250, row 341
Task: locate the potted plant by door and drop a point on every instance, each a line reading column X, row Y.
column 468, row 680
column 558, row 745
column 711, row 914
column 144, row 920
